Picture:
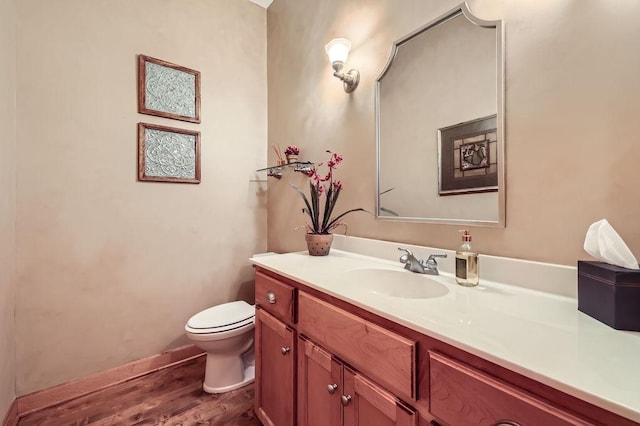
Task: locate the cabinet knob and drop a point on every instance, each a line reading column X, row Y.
column 271, row 297
column 332, row 388
column 284, row 350
column 506, row 423
column 345, row 399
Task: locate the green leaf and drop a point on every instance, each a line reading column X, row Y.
column 328, row 207
column 306, row 201
column 333, row 205
column 335, row 221
column 315, row 201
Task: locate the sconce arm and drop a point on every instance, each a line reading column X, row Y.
column 350, row 80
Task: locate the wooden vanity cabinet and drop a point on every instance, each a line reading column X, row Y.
column 388, row 371
column 332, row 393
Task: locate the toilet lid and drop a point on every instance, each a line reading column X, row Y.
column 223, row 317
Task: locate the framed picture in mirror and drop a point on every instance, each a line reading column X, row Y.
column 168, row 90
column 468, row 157
column 166, row 154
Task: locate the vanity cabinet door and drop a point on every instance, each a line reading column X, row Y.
column 275, row 374
column 319, row 386
column 366, row 404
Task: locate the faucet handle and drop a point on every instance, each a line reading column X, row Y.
column 434, row 255
column 431, row 260
column 405, row 257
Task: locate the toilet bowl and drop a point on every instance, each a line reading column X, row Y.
column 225, row 332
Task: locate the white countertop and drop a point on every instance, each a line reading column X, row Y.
column 539, row 335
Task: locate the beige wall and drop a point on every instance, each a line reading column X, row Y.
column 572, row 97
column 7, row 204
column 110, row 269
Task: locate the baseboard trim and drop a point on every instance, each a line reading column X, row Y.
column 64, row 392
column 11, row 418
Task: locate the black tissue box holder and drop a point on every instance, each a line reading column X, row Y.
column 610, row 294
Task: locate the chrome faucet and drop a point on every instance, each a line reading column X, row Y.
column 411, row 263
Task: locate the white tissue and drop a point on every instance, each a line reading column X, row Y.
column 604, row 243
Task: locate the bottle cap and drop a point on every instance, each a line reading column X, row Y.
column 466, row 236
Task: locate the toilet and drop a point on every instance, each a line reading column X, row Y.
column 225, row 332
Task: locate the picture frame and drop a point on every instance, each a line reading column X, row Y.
column 168, row 90
column 468, row 157
column 167, row 154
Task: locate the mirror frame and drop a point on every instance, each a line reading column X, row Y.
column 461, row 9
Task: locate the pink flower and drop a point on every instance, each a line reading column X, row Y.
column 321, row 216
column 292, row 150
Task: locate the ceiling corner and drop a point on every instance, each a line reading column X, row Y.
column 263, row 3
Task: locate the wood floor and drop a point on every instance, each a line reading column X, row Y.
column 173, row 396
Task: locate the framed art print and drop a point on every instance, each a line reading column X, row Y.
column 168, row 90
column 166, row 154
column 468, row 157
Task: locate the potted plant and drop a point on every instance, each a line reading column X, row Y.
column 322, row 221
column 292, row 153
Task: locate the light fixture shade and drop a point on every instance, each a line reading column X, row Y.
column 338, row 50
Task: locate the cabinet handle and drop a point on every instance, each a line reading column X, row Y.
column 332, row 388
column 271, row 297
column 345, row 399
column 284, row 350
column 506, row 423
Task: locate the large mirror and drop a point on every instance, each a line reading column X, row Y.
column 439, row 124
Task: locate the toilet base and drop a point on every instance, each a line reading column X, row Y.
column 226, row 374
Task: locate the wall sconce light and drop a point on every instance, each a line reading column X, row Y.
column 338, row 51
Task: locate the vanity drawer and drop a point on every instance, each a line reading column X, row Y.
column 378, row 353
column 275, row 297
column 461, row 395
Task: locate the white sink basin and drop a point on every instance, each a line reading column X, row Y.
column 395, row 283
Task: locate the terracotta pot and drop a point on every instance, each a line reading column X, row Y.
column 319, row 244
column 292, row 158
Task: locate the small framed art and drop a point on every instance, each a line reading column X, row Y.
column 168, row 90
column 166, row 154
column 468, row 155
